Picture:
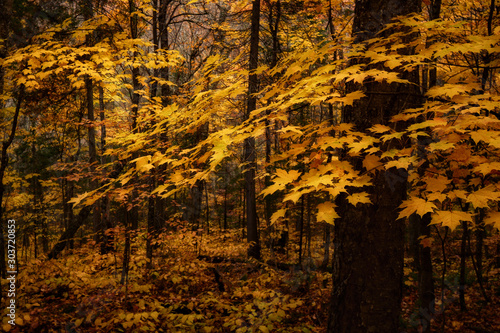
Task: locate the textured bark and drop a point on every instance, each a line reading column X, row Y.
column 273, row 22
column 420, row 226
column 249, row 144
column 368, row 256
column 163, row 22
column 134, row 211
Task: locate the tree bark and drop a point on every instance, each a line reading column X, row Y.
column 135, row 99
column 368, row 260
column 426, row 294
column 463, row 258
column 249, row 144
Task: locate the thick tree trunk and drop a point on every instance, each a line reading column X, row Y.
column 249, row 144
column 368, row 260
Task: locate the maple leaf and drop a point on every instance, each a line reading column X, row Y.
column 426, row 241
column 329, row 142
column 142, row 163
column 219, row 149
column 449, row 90
column 437, row 196
column 457, row 194
column 281, row 179
column 79, row 198
column 290, row 128
column 481, row 135
column 326, row 212
column 371, row 162
column 297, row 193
column 277, row 215
column 438, row 184
column 450, row 219
column 379, row 128
column 361, row 181
column 493, row 218
column 350, row 98
column 481, row 197
column 177, row 177
column 356, row 147
column 441, row 145
column 401, row 163
column 356, row 198
column 428, row 123
column 317, row 178
column 487, row 168
column 416, row 205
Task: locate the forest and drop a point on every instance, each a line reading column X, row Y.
column 250, row 166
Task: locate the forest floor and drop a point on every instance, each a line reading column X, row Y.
column 206, row 284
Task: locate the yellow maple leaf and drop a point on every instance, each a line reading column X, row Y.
column 361, row 181
column 326, row 212
column 441, row 145
column 315, row 178
column 482, row 135
column 79, row 198
column 428, row 123
column 281, row 179
column 356, row 198
column 277, row 215
column 437, row 196
column 486, row 168
column 416, row 205
column 481, row 197
column 400, row 163
column 438, row 184
column 450, row 219
column 142, row 163
column 379, row 128
column 493, row 218
column 296, row 194
column 449, row 90
column 371, row 162
column 350, row 98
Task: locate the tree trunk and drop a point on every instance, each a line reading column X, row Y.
column 151, row 224
column 273, row 22
column 368, row 261
column 249, row 144
column 480, row 234
column 192, row 211
column 463, row 258
column 300, row 227
column 134, row 210
column 426, row 282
